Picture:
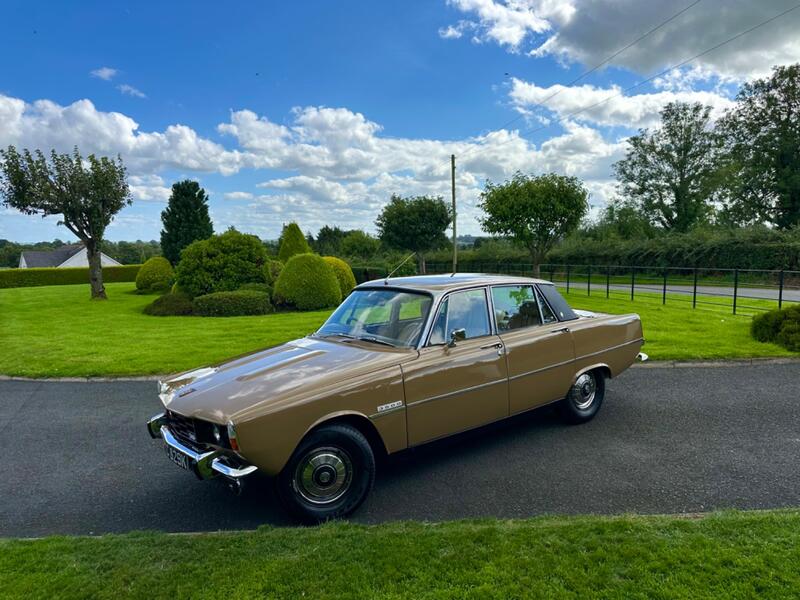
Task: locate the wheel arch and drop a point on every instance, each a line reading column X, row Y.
column 603, row 367
column 357, row 420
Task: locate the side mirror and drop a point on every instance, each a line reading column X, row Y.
column 457, row 335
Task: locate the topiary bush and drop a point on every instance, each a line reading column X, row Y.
column 307, row 282
column 156, row 275
column 779, row 326
column 272, row 268
column 222, row 263
column 343, row 272
column 174, row 304
column 293, row 242
column 232, row 304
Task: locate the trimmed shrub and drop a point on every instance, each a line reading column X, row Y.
column 293, row 242
column 170, row 305
column 10, row 278
column 232, row 304
column 343, row 272
column 272, row 268
column 155, row 275
column 779, row 326
column 222, row 263
column 307, row 282
column 264, row 288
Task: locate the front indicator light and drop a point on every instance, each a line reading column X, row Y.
column 232, row 437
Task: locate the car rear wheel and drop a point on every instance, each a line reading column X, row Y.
column 329, row 475
column 584, row 398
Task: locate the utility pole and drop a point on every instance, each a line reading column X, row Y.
column 453, row 187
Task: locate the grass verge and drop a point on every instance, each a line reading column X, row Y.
column 726, row 555
column 58, row 332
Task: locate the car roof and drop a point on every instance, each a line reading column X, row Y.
column 439, row 284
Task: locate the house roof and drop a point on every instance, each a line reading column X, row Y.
column 50, row 258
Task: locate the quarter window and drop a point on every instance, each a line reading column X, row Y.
column 556, row 300
column 515, row 307
column 466, row 310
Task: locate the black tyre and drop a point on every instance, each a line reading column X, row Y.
column 329, row 475
column 584, row 398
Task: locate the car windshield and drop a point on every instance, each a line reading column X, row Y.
column 388, row 317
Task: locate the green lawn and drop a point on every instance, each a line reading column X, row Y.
column 728, row 555
column 57, row 332
column 675, row 331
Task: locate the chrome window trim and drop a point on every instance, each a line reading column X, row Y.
column 432, row 316
column 540, row 298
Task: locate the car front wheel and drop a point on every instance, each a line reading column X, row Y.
column 584, row 398
column 329, row 475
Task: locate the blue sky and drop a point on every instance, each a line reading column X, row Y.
column 318, row 111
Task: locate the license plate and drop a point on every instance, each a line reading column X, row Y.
column 179, row 458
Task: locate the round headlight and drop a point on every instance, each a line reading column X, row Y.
column 216, row 433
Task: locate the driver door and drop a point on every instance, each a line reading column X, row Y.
column 455, row 388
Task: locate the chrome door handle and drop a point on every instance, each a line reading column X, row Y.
column 498, row 345
column 562, row 330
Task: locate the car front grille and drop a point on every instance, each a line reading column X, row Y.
column 182, row 427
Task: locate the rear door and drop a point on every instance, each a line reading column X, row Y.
column 539, row 348
column 452, row 389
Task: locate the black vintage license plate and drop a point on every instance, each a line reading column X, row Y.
column 179, row 458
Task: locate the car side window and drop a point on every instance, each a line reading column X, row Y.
column 548, row 316
column 557, row 302
column 466, row 310
column 515, row 307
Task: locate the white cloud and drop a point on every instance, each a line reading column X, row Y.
column 105, row 73
column 326, row 166
column 148, row 188
column 238, row 196
column 587, row 31
column 640, row 110
column 129, row 90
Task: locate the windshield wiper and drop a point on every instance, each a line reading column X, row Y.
column 374, row 340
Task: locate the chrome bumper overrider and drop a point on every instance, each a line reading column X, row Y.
column 206, row 464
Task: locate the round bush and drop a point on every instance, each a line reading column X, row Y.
column 307, row 282
column 232, row 304
column 155, row 275
column 343, row 272
column 170, row 305
column 779, row 326
column 222, row 263
column 272, row 268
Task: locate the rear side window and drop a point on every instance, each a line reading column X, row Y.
column 515, row 307
column 557, row 303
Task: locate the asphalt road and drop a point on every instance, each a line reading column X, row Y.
column 724, row 294
column 76, row 458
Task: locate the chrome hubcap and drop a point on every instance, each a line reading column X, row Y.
column 323, row 475
column 583, row 391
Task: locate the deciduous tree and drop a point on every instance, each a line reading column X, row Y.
column 535, row 212
column 87, row 193
column 415, row 224
column 674, row 172
column 762, row 133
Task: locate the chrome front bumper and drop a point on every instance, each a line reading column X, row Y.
column 206, row 465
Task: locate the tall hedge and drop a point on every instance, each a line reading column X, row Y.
column 307, row 282
column 293, row 242
column 10, row 278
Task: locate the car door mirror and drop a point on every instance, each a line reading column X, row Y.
column 457, row 335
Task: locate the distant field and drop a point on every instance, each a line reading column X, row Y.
column 728, row 555
column 57, row 332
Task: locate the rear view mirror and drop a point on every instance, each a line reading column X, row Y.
column 457, row 335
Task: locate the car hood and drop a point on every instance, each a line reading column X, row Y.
column 253, row 384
